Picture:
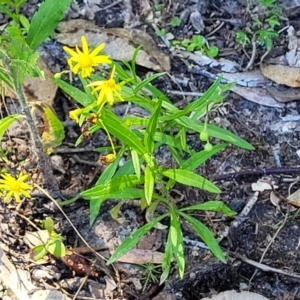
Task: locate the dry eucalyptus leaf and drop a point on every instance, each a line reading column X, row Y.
column 257, row 95
column 120, row 43
column 294, row 198
column 140, row 256
column 282, row 74
column 289, row 94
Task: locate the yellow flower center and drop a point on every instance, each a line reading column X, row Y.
column 111, row 84
column 85, row 61
column 15, row 186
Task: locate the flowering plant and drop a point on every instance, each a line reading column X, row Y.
column 142, row 176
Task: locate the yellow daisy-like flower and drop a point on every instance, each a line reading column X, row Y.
column 108, row 89
column 82, row 62
column 75, row 114
column 15, row 187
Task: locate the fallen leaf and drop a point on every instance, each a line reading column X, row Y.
column 294, row 198
column 274, row 199
column 290, row 94
column 234, row 295
column 282, row 74
column 140, row 256
column 257, row 95
column 261, row 186
column 120, row 43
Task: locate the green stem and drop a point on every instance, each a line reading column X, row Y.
column 43, row 159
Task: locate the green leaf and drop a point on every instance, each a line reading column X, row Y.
column 146, row 82
column 54, row 132
column 136, row 163
column 177, row 241
column 133, row 239
column 49, row 225
column 128, row 168
column 116, row 184
column 216, row 132
column 151, row 128
column 110, row 170
column 191, row 179
column 201, row 157
column 167, row 260
column 56, row 247
column 39, row 252
column 6, row 78
column 206, row 235
column 182, row 135
column 121, row 132
column 45, row 20
column 214, row 205
column 74, row 92
column 115, row 210
column 149, row 183
column 6, row 122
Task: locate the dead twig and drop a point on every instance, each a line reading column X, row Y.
column 264, row 267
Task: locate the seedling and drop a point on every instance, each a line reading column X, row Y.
column 54, row 244
column 198, row 43
column 175, row 22
column 262, row 30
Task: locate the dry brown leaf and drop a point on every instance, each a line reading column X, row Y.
column 257, row 95
column 120, row 43
column 282, row 74
column 140, row 256
column 274, row 199
column 294, row 198
column 287, row 95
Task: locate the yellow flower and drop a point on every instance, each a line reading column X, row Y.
column 82, row 62
column 75, row 114
column 15, row 187
column 108, row 89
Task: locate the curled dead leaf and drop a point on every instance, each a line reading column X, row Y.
column 282, row 74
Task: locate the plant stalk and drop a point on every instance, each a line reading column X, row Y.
column 43, row 160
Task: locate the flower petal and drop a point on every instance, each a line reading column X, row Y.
column 70, row 51
column 85, row 47
column 97, row 50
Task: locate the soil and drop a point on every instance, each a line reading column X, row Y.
column 269, row 234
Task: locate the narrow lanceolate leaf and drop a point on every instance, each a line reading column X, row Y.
column 212, row 206
column 206, row 235
column 114, row 185
column 177, row 241
column 191, row 179
column 151, row 128
column 149, row 184
column 166, row 263
column 121, row 132
column 136, row 163
column 6, row 78
column 201, row 157
column 45, row 20
column 6, row 122
column 133, row 239
column 110, row 170
column 74, row 92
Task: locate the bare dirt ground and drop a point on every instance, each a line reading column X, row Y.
column 262, row 250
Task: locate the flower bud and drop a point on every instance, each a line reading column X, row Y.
column 204, row 136
column 208, row 147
